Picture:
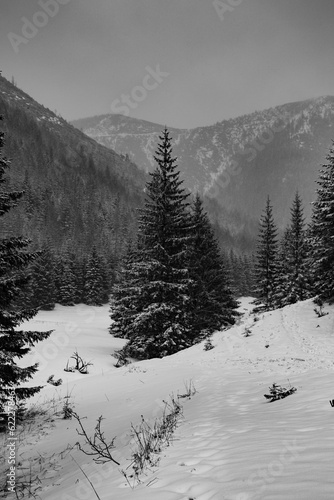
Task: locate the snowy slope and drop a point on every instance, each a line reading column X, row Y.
column 231, row 443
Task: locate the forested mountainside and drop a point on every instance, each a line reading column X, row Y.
column 237, row 162
column 79, row 195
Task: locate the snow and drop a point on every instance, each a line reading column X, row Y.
column 231, row 444
column 53, row 119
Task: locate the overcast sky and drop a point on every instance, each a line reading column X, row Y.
column 214, row 62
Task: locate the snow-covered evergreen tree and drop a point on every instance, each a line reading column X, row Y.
column 78, row 266
column 293, row 281
column 283, row 268
column 43, row 279
column 322, row 232
column 125, row 302
column 14, row 343
column 65, row 280
column 213, row 305
column 152, row 302
column 266, row 259
column 95, row 280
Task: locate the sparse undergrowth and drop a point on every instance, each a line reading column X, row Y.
column 247, row 332
column 98, row 447
column 80, row 364
column 320, row 310
column 190, row 390
column 208, row 345
column 30, row 470
column 121, row 359
column 52, row 381
column 149, row 438
column 279, row 392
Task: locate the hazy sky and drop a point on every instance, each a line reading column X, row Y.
column 87, row 56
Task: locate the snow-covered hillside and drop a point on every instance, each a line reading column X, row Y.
column 231, row 444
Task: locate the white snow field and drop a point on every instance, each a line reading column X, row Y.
column 231, row 444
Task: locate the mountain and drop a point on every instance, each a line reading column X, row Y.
column 237, row 163
column 78, row 194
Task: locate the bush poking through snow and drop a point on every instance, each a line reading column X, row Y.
column 80, row 364
column 208, row 345
column 319, row 311
column 121, row 359
column 69, row 368
column 67, row 408
column 51, row 381
column 279, row 392
column 151, row 439
column 99, row 447
column 247, row 332
column 190, row 390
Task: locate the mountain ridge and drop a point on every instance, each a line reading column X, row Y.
column 78, row 193
column 270, row 152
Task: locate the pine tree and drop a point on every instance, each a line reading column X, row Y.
column 233, row 270
column 293, row 282
column 65, row 280
column 95, row 280
column 154, row 302
column 78, row 267
column 213, row 305
column 266, row 264
column 43, row 279
column 283, row 275
column 322, row 232
column 14, row 343
column 125, row 301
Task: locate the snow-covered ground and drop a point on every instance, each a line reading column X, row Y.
column 231, row 444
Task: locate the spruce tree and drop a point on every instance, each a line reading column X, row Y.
column 213, row 305
column 43, row 279
column 322, row 232
column 293, row 282
column 79, row 267
column 266, row 259
column 14, row 343
column 154, row 296
column 95, row 280
column 283, row 275
column 125, row 301
column 66, row 281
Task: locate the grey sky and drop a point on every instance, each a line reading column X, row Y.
column 262, row 53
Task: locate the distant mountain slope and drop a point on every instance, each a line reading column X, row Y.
column 237, row 162
column 77, row 192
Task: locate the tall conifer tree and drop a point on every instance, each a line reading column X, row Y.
column 266, row 263
column 43, row 279
column 322, row 232
column 95, row 280
column 155, row 298
column 293, row 282
column 14, row 343
column 213, row 305
column 66, row 285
